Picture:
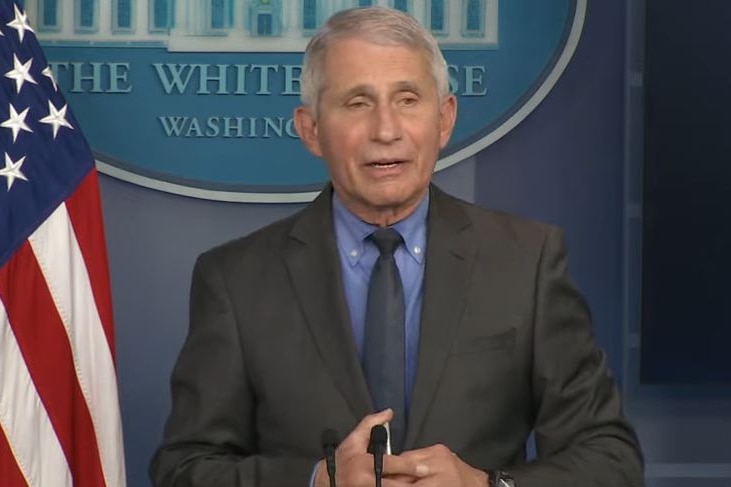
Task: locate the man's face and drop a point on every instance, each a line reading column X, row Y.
column 380, row 125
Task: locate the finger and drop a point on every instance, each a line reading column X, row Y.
column 359, row 437
column 433, row 451
column 431, row 481
column 401, row 481
column 363, row 429
column 402, row 478
column 409, row 466
column 371, row 420
column 431, row 460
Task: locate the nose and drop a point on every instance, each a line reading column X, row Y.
column 386, row 124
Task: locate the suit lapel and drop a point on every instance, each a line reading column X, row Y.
column 451, row 254
column 314, row 268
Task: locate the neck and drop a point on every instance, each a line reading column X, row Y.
column 384, row 216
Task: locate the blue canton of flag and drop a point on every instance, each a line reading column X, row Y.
column 43, row 156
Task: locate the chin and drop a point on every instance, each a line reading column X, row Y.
column 392, row 201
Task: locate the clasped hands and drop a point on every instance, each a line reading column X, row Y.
column 435, row 466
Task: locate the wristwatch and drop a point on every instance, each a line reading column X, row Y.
column 500, row 478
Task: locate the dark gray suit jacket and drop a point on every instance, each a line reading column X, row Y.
column 506, row 347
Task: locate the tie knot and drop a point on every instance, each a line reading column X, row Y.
column 386, row 239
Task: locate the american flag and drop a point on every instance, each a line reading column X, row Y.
column 59, row 410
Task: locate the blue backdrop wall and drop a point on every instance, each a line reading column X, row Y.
column 572, row 162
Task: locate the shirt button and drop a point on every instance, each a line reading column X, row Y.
column 354, row 253
column 417, row 250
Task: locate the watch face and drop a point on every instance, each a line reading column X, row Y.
column 503, row 479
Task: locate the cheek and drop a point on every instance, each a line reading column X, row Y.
column 338, row 156
column 429, row 144
column 340, row 148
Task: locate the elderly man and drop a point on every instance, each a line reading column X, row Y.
column 388, row 301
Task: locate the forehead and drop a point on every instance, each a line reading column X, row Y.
column 357, row 61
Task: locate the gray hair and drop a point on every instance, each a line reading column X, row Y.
column 380, row 25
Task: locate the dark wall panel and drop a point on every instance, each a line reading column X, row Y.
column 686, row 317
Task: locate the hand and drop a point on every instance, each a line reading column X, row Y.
column 437, row 466
column 354, row 465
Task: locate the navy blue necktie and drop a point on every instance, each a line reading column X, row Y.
column 384, row 352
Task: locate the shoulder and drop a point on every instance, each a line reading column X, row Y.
column 493, row 225
column 311, row 224
column 260, row 252
column 261, row 242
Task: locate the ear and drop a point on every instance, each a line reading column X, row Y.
column 447, row 119
column 306, row 126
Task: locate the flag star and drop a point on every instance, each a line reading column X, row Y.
column 16, row 122
column 20, row 23
column 20, row 73
column 11, row 171
column 48, row 73
column 56, row 117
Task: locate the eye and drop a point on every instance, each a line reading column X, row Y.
column 357, row 103
column 409, row 100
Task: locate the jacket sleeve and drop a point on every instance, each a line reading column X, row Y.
column 582, row 437
column 210, row 437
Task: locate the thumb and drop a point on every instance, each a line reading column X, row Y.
column 362, row 432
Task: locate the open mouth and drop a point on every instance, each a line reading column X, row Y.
column 386, row 164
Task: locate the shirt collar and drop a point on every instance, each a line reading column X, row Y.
column 351, row 231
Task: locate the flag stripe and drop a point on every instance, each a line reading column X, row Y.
column 93, row 247
column 42, row 341
column 62, row 264
column 30, row 435
column 9, row 470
